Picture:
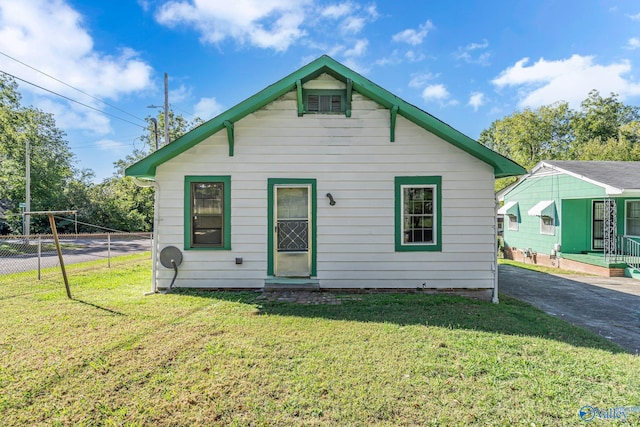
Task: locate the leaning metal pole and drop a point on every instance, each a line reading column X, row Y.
column 610, row 221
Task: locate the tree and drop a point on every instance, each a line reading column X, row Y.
column 530, row 136
column 603, row 129
column 52, row 163
column 602, row 118
column 125, row 205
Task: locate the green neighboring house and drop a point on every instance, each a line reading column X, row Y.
column 579, row 215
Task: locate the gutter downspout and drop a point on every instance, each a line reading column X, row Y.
column 156, row 218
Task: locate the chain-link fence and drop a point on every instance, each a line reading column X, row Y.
column 37, row 252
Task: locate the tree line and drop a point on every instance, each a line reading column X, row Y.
column 116, row 203
column 601, row 129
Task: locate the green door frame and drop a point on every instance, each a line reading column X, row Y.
column 271, row 183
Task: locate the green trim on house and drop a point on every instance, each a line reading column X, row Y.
column 392, row 127
column 399, row 240
column 299, row 98
column 226, row 224
column 271, row 183
column 146, row 168
column 230, row 136
column 347, row 112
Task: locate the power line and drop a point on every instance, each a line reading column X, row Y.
column 72, row 87
column 73, row 100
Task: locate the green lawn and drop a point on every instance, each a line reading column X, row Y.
column 113, row 356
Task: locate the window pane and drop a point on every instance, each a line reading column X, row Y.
column 292, row 203
column 547, row 225
column 207, row 208
column 633, row 218
column 418, row 218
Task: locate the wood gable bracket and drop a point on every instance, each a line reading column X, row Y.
column 394, row 113
column 347, row 111
column 227, row 124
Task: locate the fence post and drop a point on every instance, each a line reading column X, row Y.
column 109, row 250
column 39, row 255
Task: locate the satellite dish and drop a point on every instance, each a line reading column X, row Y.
column 170, row 256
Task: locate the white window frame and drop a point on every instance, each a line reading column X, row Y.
column 626, row 218
column 433, row 214
column 512, row 222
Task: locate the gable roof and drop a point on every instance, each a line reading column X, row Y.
column 616, row 177
column 146, row 168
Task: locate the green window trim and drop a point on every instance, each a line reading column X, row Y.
column 434, row 182
column 226, row 213
column 271, row 183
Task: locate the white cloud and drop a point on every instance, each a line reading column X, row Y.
column 180, row 94
column 112, row 146
column 412, row 56
column 336, row 11
column 74, row 116
column 49, row 36
column 359, row 49
column 436, row 92
column 635, row 17
column 633, row 43
column 569, row 80
column 470, row 55
column 414, row 37
column 269, row 24
column 420, row 80
column 476, row 100
column 393, row 59
column 353, row 25
column 207, row 108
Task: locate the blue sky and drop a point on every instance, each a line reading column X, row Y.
column 468, row 62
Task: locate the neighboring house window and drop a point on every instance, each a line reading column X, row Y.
column 633, row 218
column 418, row 213
column 513, row 222
column 207, row 212
column 547, row 225
column 324, row 101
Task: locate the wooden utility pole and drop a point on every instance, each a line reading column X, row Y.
column 166, row 109
column 54, row 230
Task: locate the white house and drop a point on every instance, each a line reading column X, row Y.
column 326, row 179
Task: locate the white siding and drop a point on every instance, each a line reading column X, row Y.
column 353, row 159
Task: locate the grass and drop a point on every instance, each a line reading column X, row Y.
column 113, row 356
column 541, row 268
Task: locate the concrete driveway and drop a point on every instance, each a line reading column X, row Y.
column 608, row 306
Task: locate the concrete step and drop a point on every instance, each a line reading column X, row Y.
column 291, row 284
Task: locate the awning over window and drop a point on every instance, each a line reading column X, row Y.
column 544, row 208
column 509, row 208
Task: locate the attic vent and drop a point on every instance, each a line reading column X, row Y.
column 325, row 102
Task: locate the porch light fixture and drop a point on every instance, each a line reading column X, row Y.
column 331, row 201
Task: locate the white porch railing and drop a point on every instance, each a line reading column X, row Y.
column 628, row 251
